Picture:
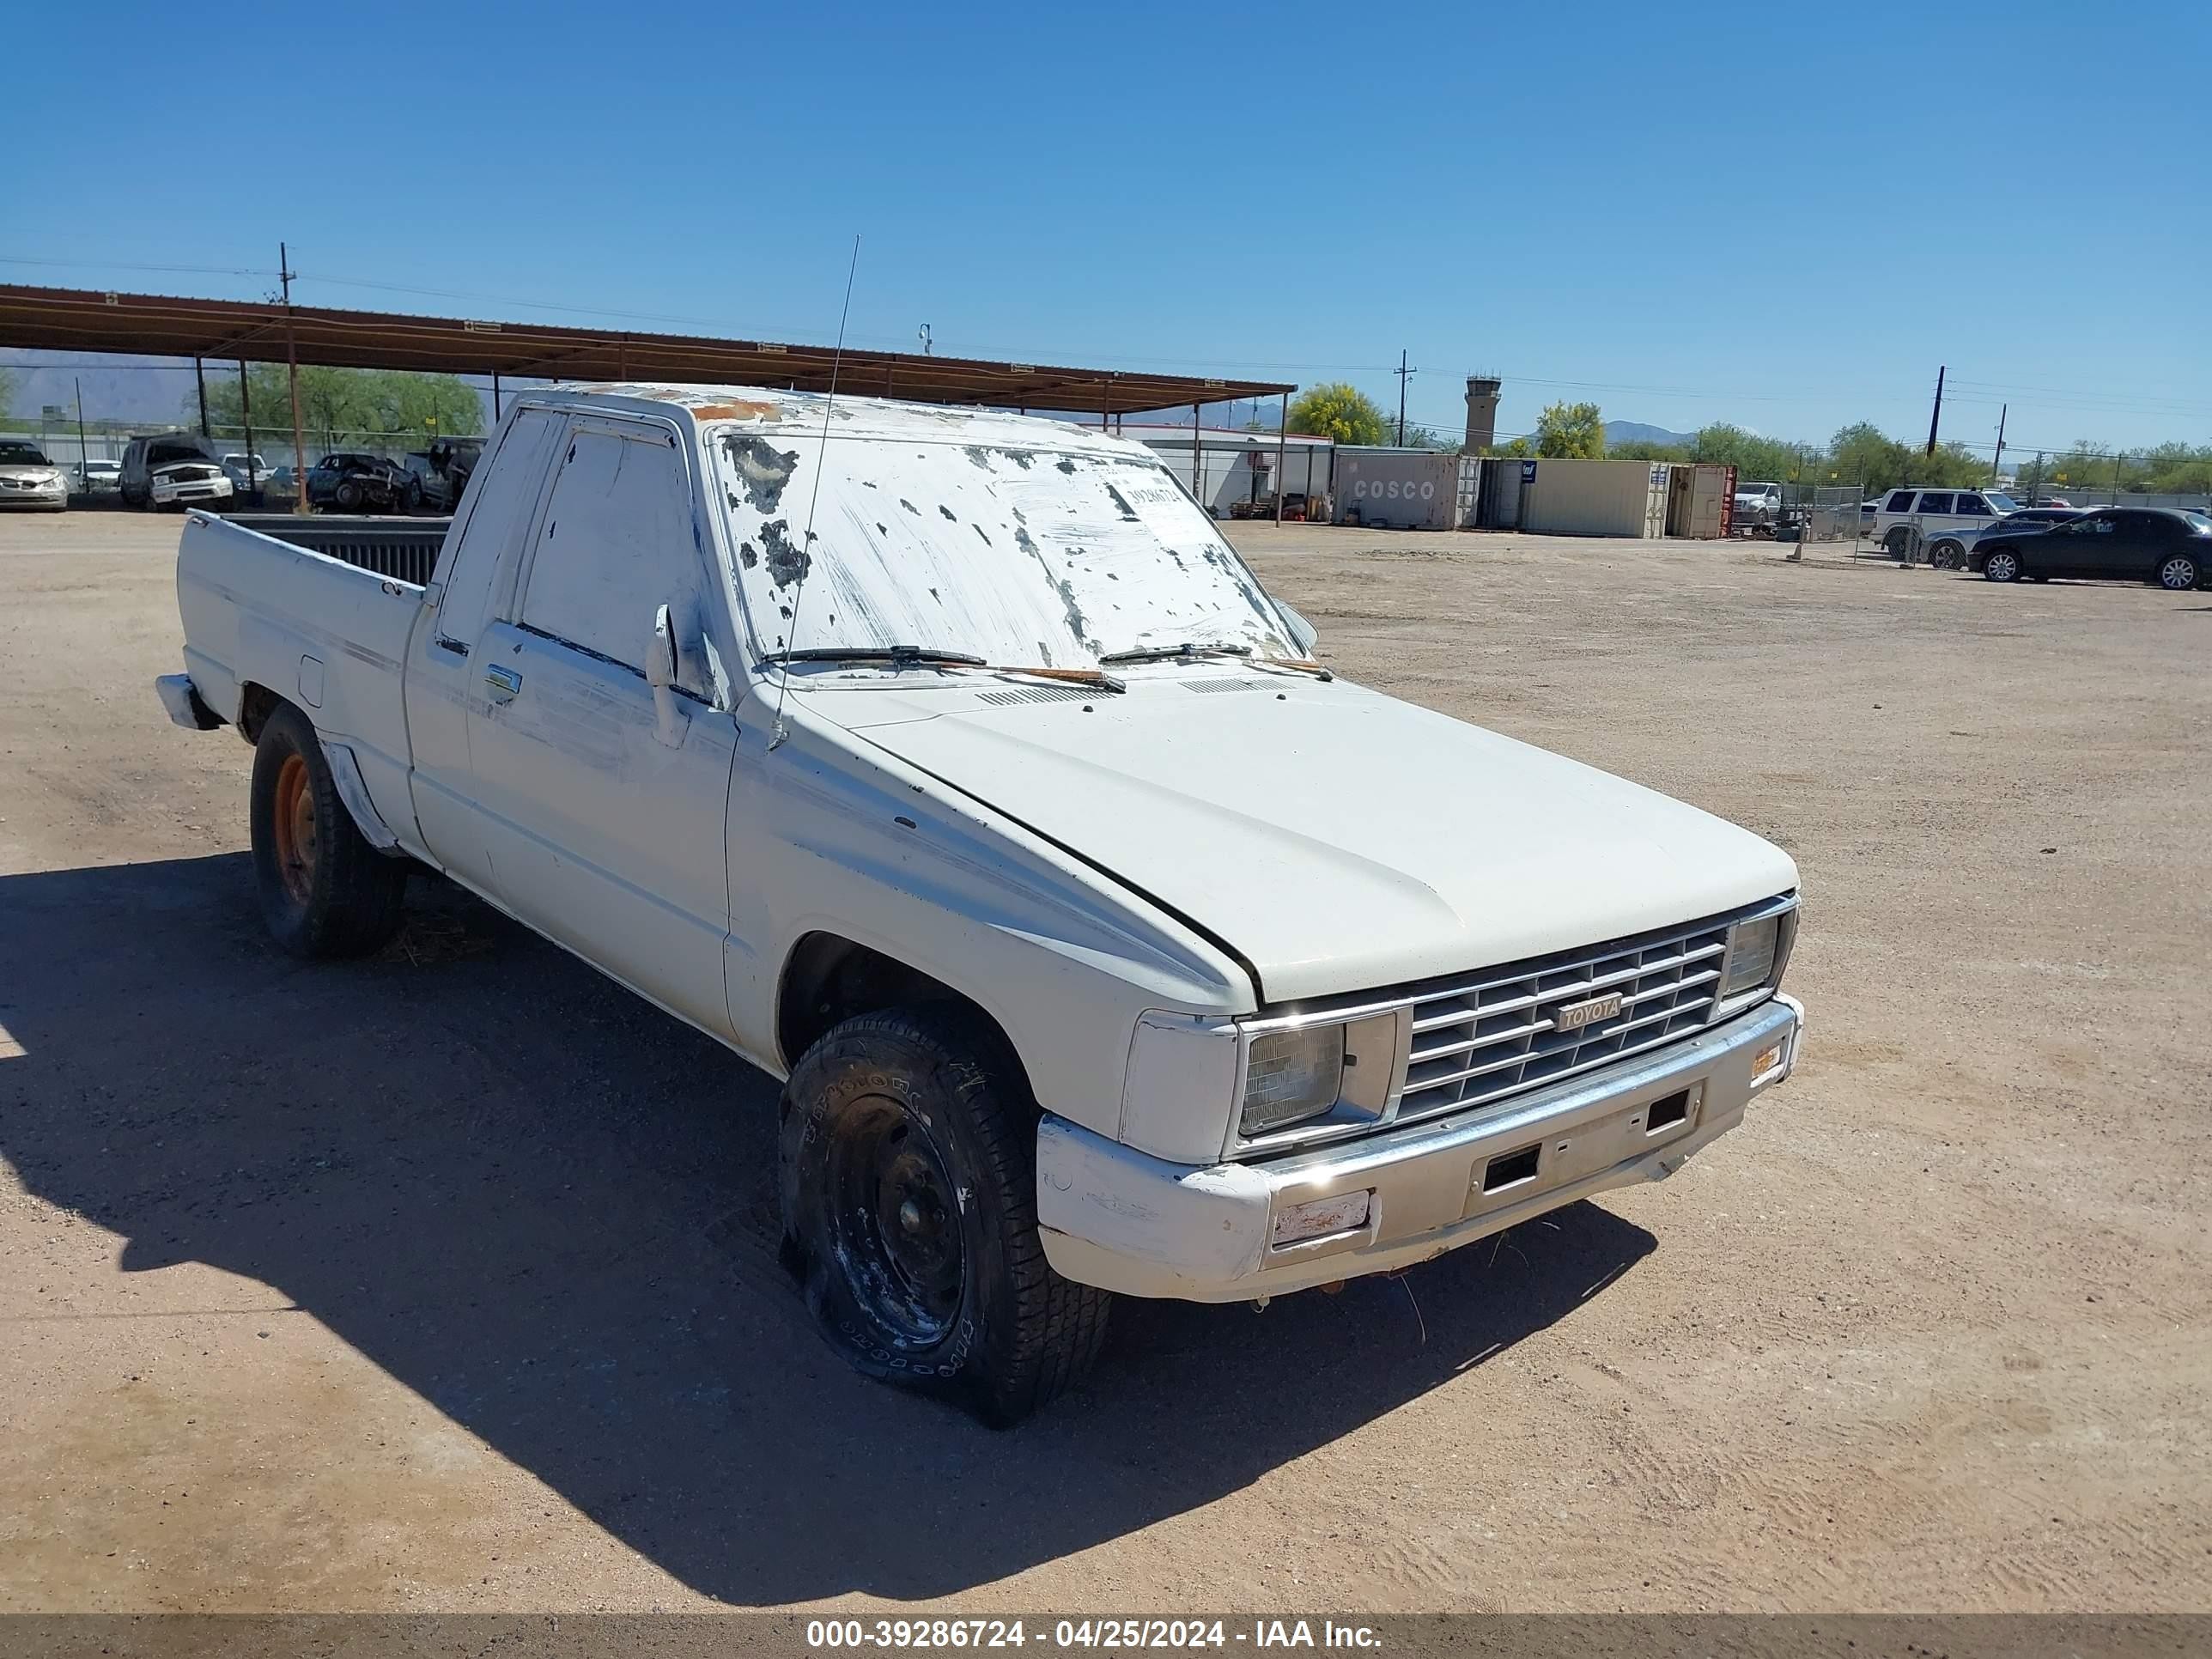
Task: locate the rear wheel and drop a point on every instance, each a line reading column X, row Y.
column 325, row 890
column 2002, row 566
column 909, row 1199
column 1896, row 540
column 2179, row 573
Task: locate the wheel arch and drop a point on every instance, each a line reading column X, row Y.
column 256, row 703
column 828, row 978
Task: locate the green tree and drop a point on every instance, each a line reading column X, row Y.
column 1863, row 455
column 1338, row 410
column 1574, row 432
column 343, row 406
column 7, row 391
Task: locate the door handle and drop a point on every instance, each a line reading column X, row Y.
column 504, row 682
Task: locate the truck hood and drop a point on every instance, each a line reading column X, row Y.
column 1336, row 839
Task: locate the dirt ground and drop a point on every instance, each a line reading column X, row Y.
column 443, row 1281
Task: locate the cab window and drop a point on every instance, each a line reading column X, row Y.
column 1973, row 506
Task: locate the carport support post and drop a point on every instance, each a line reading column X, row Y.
column 1282, row 452
column 199, row 374
column 495, row 396
column 1197, row 467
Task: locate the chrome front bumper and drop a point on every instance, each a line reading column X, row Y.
column 1120, row 1220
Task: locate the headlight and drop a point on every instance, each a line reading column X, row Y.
column 1290, row 1076
column 1757, row 951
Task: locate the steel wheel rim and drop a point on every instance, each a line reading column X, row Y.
column 2178, row 573
column 894, row 1223
column 294, row 825
column 2003, row 567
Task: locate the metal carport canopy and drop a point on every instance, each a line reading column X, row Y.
column 83, row 319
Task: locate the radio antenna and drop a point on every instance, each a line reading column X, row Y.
column 821, row 465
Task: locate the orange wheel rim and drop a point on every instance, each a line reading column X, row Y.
column 295, row 829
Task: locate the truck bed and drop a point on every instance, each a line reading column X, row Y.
column 326, row 626
column 404, row 549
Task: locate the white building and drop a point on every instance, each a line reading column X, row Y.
column 1238, row 466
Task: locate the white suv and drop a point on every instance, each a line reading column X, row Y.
column 1931, row 511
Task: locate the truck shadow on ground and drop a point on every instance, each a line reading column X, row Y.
column 548, row 1210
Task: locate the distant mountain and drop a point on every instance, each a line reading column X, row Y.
column 1636, row 432
column 143, row 390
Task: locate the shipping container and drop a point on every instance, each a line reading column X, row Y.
column 1698, row 501
column 1400, row 488
column 1596, row 498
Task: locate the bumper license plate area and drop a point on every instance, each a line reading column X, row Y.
column 1515, row 1173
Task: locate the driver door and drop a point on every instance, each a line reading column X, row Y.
column 603, row 824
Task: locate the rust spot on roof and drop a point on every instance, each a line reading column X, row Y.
column 736, row 412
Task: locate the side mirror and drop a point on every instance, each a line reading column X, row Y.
column 670, row 722
column 1302, row 631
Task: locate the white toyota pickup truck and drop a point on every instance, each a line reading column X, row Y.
column 952, row 769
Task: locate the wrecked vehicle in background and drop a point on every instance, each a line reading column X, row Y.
column 952, row 769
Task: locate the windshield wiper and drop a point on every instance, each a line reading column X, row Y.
column 894, row 654
column 1188, row 648
column 899, row 656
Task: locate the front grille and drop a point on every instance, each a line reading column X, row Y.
column 1479, row 1039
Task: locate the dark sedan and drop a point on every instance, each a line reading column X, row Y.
column 2158, row 545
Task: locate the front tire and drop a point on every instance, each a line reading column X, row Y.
column 1947, row 556
column 909, row 1158
column 325, row 890
column 348, row 497
column 2002, row 566
column 2179, row 574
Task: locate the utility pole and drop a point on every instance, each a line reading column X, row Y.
column 199, row 374
column 246, row 415
column 1936, row 418
column 292, row 363
column 1996, row 460
column 1404, row 374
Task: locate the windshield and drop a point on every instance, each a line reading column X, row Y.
column 1020, row 556
column 1999, row 500
column 16, row 454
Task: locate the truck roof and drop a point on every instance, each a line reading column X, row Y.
column 801, row 413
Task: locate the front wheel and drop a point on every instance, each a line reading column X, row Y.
column 348, row 495
column 908, row 1157
column 1946, row 556
column 2002, row 566
column 2179, row 574
column 325, row 890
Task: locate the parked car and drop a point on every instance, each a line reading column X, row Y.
column 142, row 455
column 28, row 479
column 279, row 487
column 437, row 476
column 1079, row 983
column 354, row 482
column 246, row 473
column 189, row 484
column 2158, row 544
column 1931, row 511
column 1758, row 508
column 93, row 478
column 1953, row 549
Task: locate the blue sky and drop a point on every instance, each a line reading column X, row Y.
column 1784, row 216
